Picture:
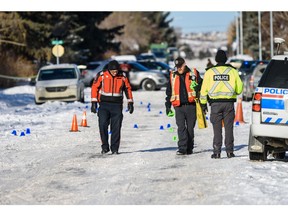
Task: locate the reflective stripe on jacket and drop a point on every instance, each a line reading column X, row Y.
column 107, row 88
column 175, row 87
column 220, row 82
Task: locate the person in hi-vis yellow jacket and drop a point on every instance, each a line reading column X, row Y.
column 220, row 87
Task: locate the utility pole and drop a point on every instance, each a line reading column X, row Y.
column 241, row 33
column 271, row 35
column 237, row 34
column 259, row 35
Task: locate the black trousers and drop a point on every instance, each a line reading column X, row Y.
column 222, row 111
column 110, row 114
column 185, row 119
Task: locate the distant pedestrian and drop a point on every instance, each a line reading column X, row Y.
column 107, row 90
column 182, row 89
column 222, row 84
column 125, row 67
column 209, row 63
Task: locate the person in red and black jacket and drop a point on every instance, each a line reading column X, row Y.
column 107, row 90
column 182, row 89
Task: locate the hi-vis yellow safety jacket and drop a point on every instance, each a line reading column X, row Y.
column 190, row 77
column 221, row 83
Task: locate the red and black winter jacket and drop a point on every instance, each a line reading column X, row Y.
column 108, row 88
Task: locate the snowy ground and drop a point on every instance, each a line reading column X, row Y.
column 52, row 166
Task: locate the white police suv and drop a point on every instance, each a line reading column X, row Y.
column 269, row 128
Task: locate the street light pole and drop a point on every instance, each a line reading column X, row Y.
column 271, row 35
column 57, row 55
column 241, row 34
column 260, row 35
column 237, row 34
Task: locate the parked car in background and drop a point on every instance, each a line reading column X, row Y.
column 91, row 70
column 237, row 60
column 82, row 67
column 143, row 78
column 173, row 53
column 160, row 51
column 60, row 82
column 247, row 67
column 158, row 66
column 124, row 58
column 268, row 131
column 235, row 63
column 251, row 81
column 146, row 57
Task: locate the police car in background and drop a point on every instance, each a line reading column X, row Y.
column 269, row 128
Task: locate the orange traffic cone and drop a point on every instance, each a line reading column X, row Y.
column 74, row 127
column 84, row 120
column 239, row 112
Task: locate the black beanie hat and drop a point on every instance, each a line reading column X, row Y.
column 221, row 56
column 179, row 62
column 113, row 65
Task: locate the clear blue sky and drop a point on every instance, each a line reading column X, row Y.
column 196, row 21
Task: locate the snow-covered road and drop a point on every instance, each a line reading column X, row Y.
column 54, row 166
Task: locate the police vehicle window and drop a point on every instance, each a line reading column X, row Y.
column 92, row 66
column 138, row 67
column 153, row 65
column 163, row 65
column 275, row 75
column 147, row 64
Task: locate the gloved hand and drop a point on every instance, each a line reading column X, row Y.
column 197, row 88
column 130, row 107
column 93, row 107
column 193, row 85
column 204, row 108
column 169, row 112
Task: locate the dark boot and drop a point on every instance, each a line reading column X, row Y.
column 180, row 153
column 189, row 152
column 104, row 151
column 230, row 155
column 215, row 156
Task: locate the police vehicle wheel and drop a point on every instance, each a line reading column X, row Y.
column 148, row 85
column 262, row 156
column 280, row 155
column 257, row 156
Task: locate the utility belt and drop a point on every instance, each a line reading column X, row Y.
column 188, row 104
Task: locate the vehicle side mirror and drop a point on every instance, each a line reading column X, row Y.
column 33, row 81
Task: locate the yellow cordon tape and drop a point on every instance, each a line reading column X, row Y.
column 16, row 78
